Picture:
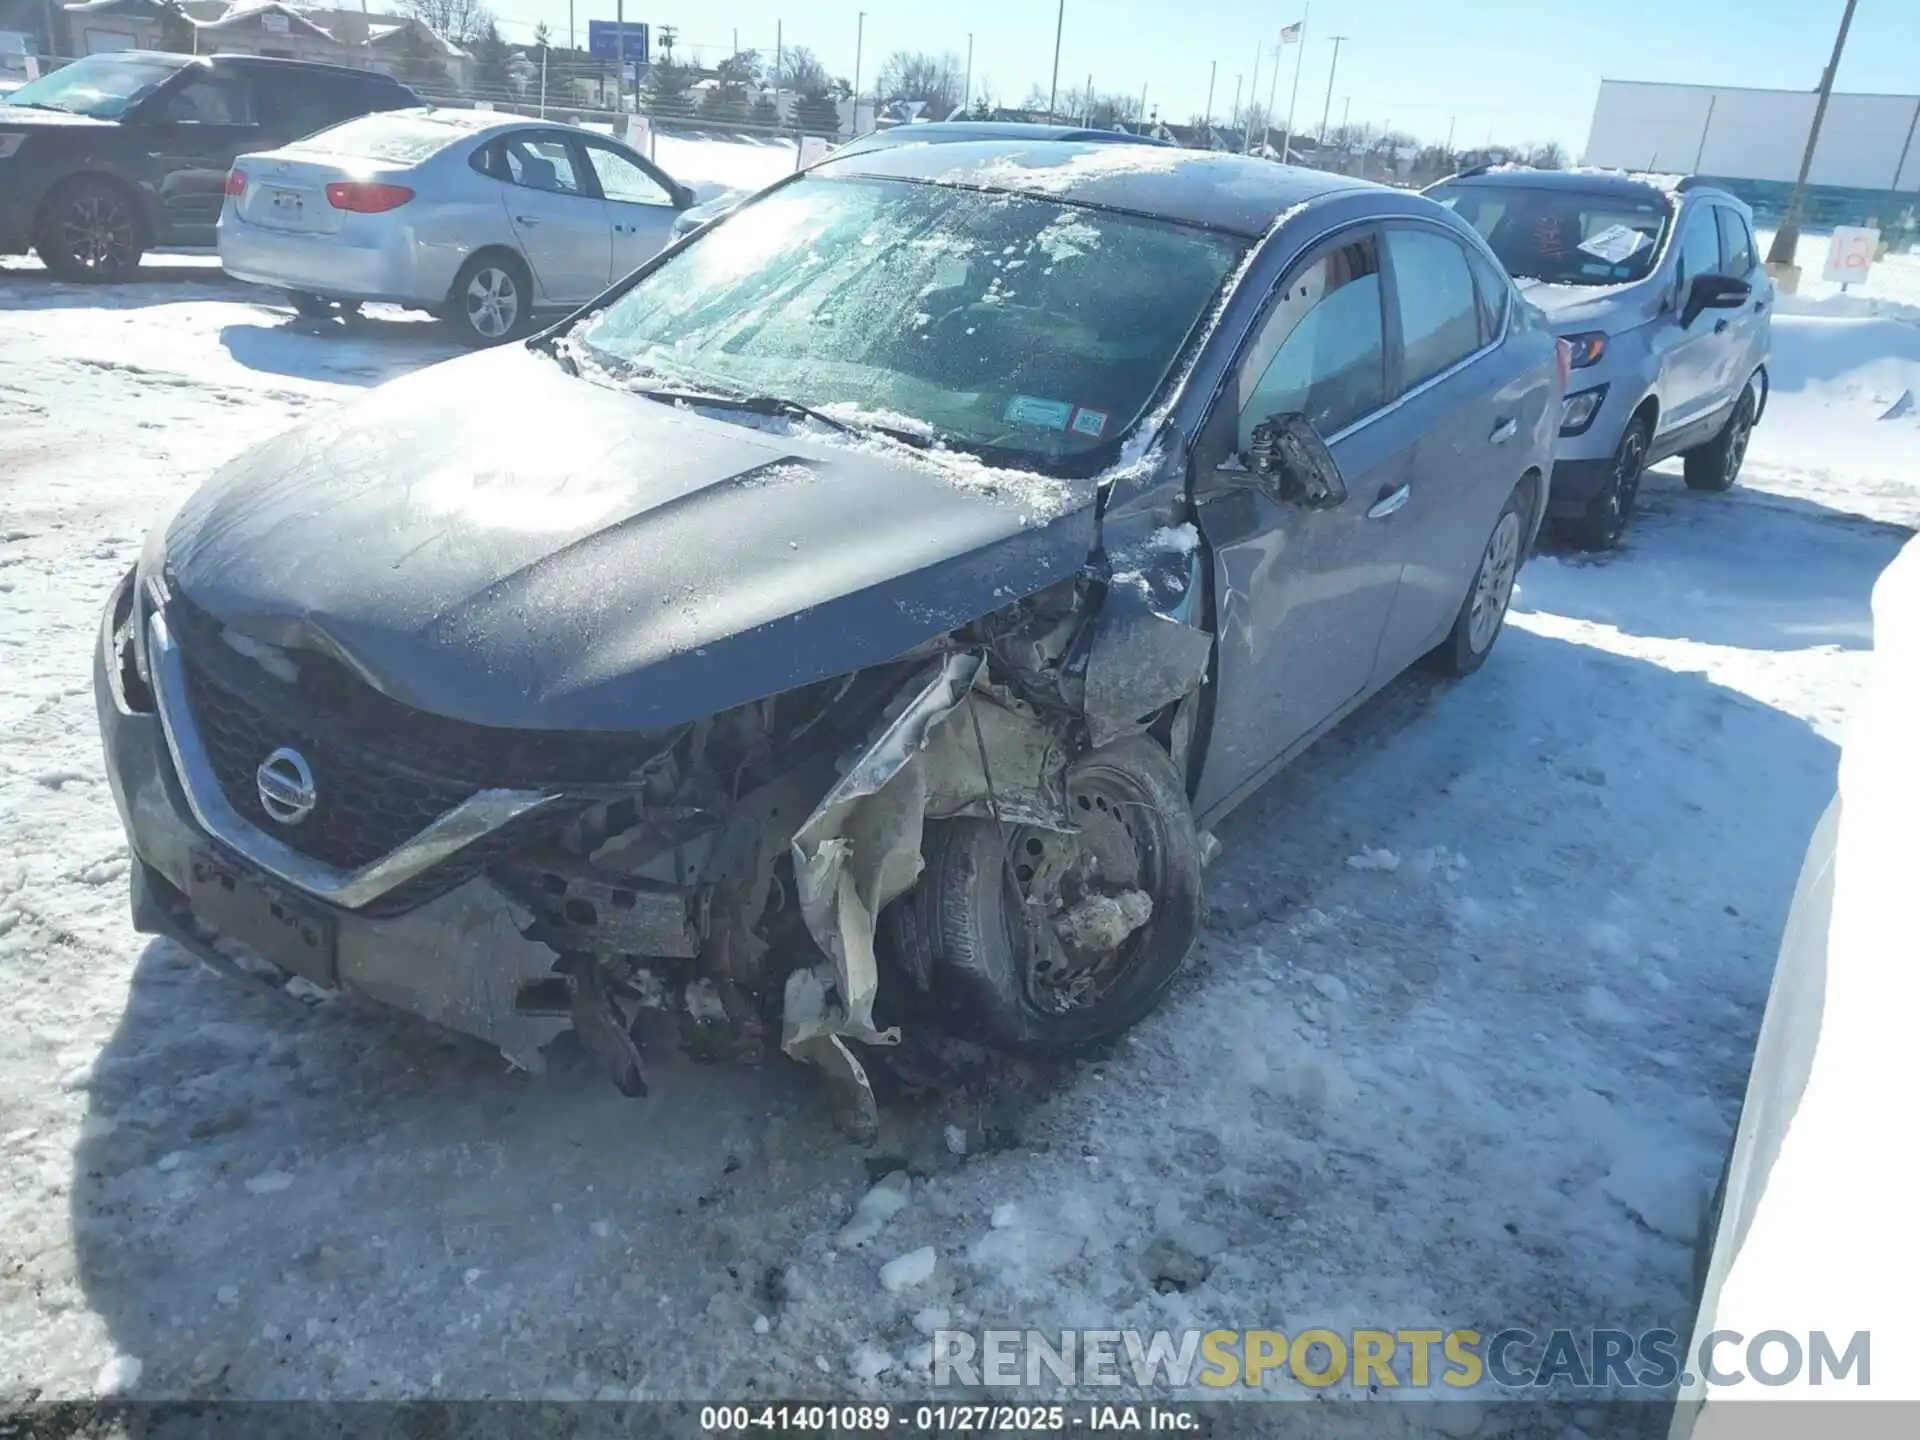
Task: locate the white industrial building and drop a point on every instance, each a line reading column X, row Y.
column 1867, row 165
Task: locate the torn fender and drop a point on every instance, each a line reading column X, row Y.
column 859, row 849
column 1144, row 652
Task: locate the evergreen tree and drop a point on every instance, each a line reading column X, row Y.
column 668, row 91
column 817, row 115
column 725, row 103
column 765, row 112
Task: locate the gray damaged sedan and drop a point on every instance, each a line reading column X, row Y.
column 849, row 622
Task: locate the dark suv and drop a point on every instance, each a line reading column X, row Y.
column 116, row 153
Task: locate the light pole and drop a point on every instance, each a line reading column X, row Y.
column 1253, row 99
column 1273, row 93
column 1451, row 119
column 1233, row 115
column 1059, row 28
column 966, row 100
column 1213, row 73
column 620, row 55
column 1332, row 70
column 1786, row 239
column 859, row 39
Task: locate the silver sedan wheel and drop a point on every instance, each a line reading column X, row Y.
column 493, row 302
column 1493, row 587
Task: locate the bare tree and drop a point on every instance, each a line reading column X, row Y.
column 1549, row 156
column 461, row 21
column 910, row 75
column 801, row 72
column 1106, row 109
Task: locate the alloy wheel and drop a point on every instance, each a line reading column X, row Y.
column 1623, row 486
column 493, row 303
column 97, row 230
column 1493, row 587
column 1742, row 433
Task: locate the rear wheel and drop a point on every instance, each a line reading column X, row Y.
column 89, row 230
column 1047, row 942
column 1484, row 612
column 1606, row 518
column 491, row 301
column 1716, row 464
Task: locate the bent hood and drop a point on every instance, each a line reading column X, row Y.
column 496, row 541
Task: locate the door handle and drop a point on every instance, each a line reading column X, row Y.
column 1758, row 306
column 1718, row 326
column 1505, row 431
column 526, row 220
column 1390, row 502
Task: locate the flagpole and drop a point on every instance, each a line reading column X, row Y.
column 1299, row 59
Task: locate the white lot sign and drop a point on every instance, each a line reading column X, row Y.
column 1850, row 254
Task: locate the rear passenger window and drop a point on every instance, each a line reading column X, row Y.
column 1736, row 243
column 1322, row 349
column 211, row 100
column 1434, row 295
column 541, row 164
column 1496, row 294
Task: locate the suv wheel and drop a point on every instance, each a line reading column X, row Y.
column 89, row 230
column 1716, row 464
column 1606, row 518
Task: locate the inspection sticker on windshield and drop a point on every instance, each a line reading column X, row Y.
column 1616, row 243
column 1089, row 422
column 1031, row 410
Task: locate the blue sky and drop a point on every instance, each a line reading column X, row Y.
column 1516, row 70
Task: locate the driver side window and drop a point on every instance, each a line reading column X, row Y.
column 1322, row 348
column 1699, row 245
column 210, row 101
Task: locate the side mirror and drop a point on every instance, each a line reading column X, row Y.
column 1295, row 464
column 1713, row 292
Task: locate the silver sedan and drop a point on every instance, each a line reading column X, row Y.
column 483, row 219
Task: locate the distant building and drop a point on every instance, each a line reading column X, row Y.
column 1867, row 165
column 370, row 39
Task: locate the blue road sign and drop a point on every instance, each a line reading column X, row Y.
column 603, row 40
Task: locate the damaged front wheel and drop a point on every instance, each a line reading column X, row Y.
column 1048, row 941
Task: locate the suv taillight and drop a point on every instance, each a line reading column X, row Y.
column 367, row 197
column 236, row 182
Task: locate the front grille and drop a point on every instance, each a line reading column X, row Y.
column 383, row 772
column 366, row 809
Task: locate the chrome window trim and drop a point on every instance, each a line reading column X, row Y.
column 1379, row 224
column 478, row 815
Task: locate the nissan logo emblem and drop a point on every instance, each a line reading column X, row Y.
column 286, row 786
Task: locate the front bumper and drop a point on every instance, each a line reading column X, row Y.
column 1575, row 484
column 459, row 960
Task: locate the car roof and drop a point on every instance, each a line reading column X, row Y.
column 225, row 60
column 948, row 132
column 475, row 122
column 1236, row 193
column 1626, row 184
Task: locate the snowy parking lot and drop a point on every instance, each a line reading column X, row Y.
column 1462, row 1044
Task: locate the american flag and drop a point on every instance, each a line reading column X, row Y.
column 1290, row 35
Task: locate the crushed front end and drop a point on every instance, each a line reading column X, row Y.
column 511, row 883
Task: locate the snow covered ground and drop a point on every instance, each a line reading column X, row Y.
column 1461, row 1046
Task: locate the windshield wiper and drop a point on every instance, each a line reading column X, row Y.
column 32, row 105
column 751, row 404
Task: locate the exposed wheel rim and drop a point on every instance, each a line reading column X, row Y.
column 97, row 231
column 1623, row 491
column 492, row 302
column 1060, row 880
column 1742, row 433
column 1493, row 587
